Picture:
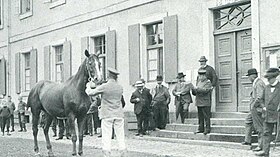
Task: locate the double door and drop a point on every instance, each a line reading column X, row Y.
column 233, row 53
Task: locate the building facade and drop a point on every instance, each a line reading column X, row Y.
column 141, row 38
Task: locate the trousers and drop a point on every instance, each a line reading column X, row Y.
column 204, row 114
column 118, row 125
column 248, row 131
column 267, row 136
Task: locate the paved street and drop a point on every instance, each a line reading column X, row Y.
column 21, row 144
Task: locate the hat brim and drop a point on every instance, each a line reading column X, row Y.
column 139, row 85
column 271, row 75
column 203, row 60
column 178, row 77
column 250, row 74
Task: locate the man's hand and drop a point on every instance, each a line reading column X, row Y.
column 137, row 99
column 264, row 108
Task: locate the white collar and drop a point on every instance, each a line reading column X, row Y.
column 254, row 82
column 274, row 84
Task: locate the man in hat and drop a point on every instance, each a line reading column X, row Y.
column 210, row 72
column 12, row 108
column 271, row 98
column 203, row 102
column 21, row 114
column 183, row 97
column 142, row 100
column 111, row 111
column 254, row 118
column 5, row 114
column 160, row 102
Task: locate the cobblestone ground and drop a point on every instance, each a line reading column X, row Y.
column 23, row 142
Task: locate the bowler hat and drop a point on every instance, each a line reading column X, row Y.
column 251, row 71
column 201, row 71
column 180, row 75
column 113, row 71
column 159, row 78
column 202, row 59
column 271, row 72
column 139, row 84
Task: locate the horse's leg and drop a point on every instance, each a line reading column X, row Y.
column 48, row 121
column 81, row 123
column 71, row 122
column 35, row 120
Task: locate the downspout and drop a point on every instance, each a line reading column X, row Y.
column 9, row 49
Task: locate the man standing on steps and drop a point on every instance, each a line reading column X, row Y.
column 254, row 118
column 271, row 98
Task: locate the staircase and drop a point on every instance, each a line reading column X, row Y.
column 227, row 127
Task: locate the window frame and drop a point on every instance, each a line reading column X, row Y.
column 57, row 63
column 27, row 68
column 267, row 51
column 159, row 48
column 1, row 14
column 54, row 4
column 25, row 14
column 102, row 56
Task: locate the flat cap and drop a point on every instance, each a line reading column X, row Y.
column 271, row 72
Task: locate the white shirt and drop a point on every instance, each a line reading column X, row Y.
column 273, row 86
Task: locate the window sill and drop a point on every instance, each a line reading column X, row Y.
column 25, row 15
column 57, row 3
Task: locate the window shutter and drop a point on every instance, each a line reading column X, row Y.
column 84, row 46
column 134, row 53
column 170, row 47
column 33, row 67
column 111, row 49
column 17, row 72
column 67, row 60
column 3, row 76
column 47, row 63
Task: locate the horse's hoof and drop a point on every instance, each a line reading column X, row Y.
column 80, row 153
column 38, row 154
column 74, row 154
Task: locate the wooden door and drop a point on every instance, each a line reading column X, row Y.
column 225, row 52
column 244, row 62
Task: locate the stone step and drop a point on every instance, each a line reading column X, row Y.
column 229, row 115
column 237, row 138
column 219, row 121
column 214, row 128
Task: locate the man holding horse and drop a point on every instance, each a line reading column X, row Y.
column 111, row 112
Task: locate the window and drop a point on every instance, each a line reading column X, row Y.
column 1, row 14
column 100, row 48
column 272, row 57
column 154, row 50
column 233, row 17
column 25, row 6
column 27, row 71
column 55, row 3
column 59, row 64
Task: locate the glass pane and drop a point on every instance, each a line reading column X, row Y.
column 152, row 75
column 99, row 44
column 58, row 53
column 152, row 65
column 25, row 6
column 27, row 72
column 27, row 87
column 152, row 54
column 235, row 16
column 27, row 60
column 155, row 34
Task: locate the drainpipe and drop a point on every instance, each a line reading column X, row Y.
column 9, row 49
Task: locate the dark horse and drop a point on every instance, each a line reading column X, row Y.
column 67, row 99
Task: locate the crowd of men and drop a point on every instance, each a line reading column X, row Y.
column 151, row 107
column 7, row 118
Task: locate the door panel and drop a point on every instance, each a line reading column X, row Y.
column 226, row 70
column 244, row 60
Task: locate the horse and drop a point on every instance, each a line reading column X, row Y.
column 67, row 99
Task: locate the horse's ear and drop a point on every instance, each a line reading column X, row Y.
column 87, row 53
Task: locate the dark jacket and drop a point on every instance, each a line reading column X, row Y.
column 5, row 112
column 211, row 74
column 271, row 102
column 145, row 101
column 203, row 93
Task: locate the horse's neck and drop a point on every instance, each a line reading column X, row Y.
column 79, row 80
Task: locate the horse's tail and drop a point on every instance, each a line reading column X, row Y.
column 33, row 97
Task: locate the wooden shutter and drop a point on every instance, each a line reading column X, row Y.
column 17, row 73
column 47, row 63
column 3, row 76
column 66, row 60
column 170, row 47
column 134, row 53
column 84, row 46
column 111, row 49
column 33, row 67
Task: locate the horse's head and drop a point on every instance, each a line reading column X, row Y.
column 93, row 67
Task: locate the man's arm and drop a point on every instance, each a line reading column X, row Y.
column 214, row 77
column 206, row 88
column 167, row 95
column 134, row 99
column 259, row 93
column 96, row 91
